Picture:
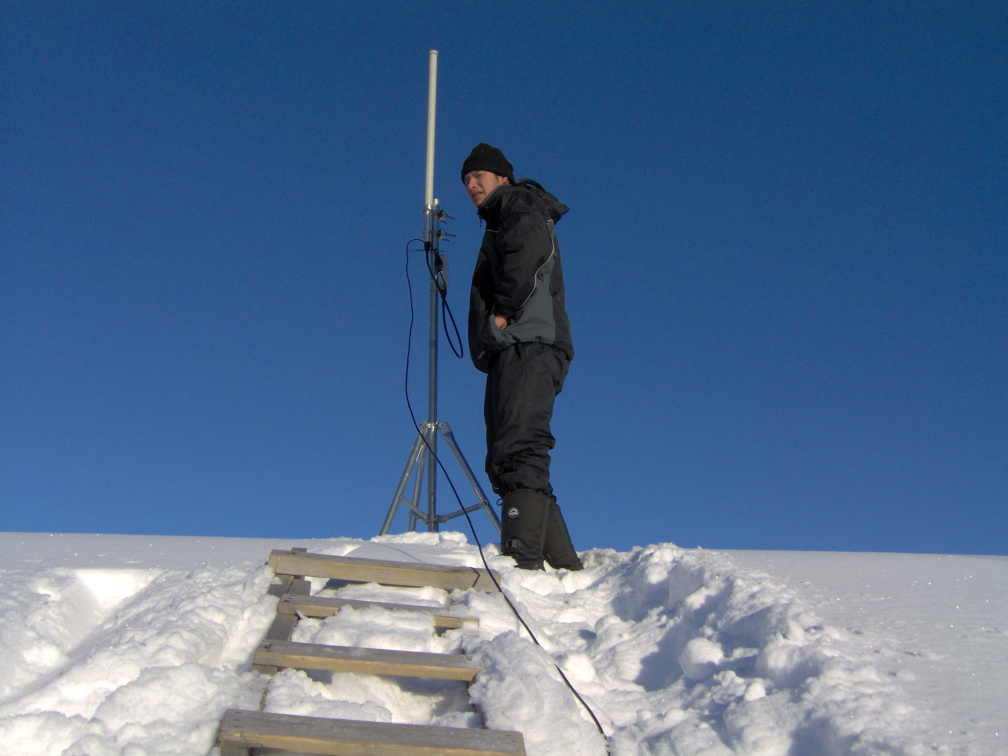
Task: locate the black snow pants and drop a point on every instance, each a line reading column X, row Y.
column 521, row 387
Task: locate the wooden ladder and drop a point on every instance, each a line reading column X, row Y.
column 242, row 731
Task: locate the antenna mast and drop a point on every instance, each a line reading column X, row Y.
column 431, row 109
column 425, row 447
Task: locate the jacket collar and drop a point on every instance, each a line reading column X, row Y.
column 491, row 208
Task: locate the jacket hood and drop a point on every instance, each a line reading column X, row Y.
column 513, row 196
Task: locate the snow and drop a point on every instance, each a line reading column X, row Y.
column 136, row 645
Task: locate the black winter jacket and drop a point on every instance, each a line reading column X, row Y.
column 518, row 274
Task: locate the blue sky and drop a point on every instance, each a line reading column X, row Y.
column 785, row 262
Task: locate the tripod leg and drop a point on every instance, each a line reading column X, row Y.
column 415, row 454
column 449, row 438
column 417, row 483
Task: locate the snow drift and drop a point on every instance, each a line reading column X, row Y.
column 128, row 645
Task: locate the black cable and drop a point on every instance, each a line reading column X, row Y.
column 446, row 313
column 431, row 451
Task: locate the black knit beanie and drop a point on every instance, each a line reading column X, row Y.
column 486, row 158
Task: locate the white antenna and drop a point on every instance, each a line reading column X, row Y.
column 425, row 446
column 431, row 101
column 432, row 213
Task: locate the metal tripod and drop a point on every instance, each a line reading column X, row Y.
column 424, row 451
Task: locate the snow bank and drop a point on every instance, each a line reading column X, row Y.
column 98, row 660
column 676, row 652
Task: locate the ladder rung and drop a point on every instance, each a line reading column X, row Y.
column 342, row 737
column 408, row 574
column 374, row 661
column 323, row 606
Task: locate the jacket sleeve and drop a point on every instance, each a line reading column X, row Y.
column 481, row 342
column 523, row 245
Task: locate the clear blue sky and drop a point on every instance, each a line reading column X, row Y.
column 786, row 262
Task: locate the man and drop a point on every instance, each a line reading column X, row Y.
column 519, row 335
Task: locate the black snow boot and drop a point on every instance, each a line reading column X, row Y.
column 523, row 527
column 557, row 548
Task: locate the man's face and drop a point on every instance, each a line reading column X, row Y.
column 479, row 184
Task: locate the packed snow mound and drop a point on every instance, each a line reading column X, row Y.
column 676, row 651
